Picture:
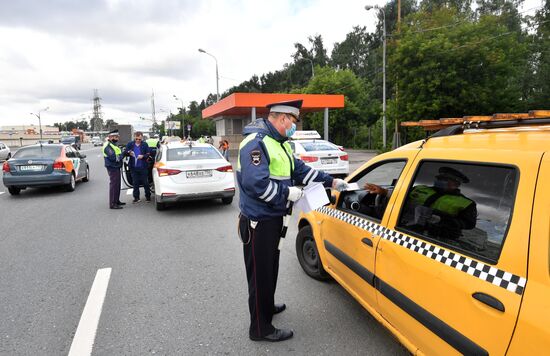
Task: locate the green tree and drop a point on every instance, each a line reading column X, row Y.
column 355, row 53
column 540, row 96
column 469, row 67
column 341, row 121
column 82, row 125
column 194, row 109
column 110, row 124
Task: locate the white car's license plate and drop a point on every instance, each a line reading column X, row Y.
column 329, row 161
column 199, row 174
column 30, row 168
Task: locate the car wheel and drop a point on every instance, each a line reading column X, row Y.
column 87, row 177
column 227, row 201
column 159, row 206
column 308, row 256
column 14, row 190
column 72, row 184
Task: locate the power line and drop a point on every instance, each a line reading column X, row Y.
column 497, row 36
column 453, row 24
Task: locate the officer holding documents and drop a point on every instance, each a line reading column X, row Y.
column 267, row 172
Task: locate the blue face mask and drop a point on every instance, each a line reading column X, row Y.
column 289, row 132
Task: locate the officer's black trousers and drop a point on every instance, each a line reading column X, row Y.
column 261, row 258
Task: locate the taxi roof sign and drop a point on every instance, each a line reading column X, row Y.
column 305, row 135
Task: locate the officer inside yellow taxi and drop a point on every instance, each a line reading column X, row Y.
column 441, row 210
column 266, row 174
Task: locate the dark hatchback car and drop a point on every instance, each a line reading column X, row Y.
column 74, row 141
column 45, row 166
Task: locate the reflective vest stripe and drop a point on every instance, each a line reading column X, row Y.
column 267, row 191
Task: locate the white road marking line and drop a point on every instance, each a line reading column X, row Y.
column 129, row 192
column 2, row 193
column 84, row 337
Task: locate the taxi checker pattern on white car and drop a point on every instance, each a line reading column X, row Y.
column 487, row 273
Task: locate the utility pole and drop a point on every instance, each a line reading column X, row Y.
column 153, row 115
column 217, row 76
column 368, row 7
column 40, row 120
column 96, row 119
column 397, row 135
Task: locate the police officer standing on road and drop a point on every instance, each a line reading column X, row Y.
column 113, row 162
column 266, row 174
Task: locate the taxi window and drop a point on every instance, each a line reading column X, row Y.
column 318, row 146
column 365, row 203
column 38, row 152
column 192, row 153
column 466, row 207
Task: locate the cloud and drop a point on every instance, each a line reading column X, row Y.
column 100, row 20
column 54, row 53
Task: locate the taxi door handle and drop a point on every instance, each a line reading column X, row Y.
column 489, row 300
column 367, row 241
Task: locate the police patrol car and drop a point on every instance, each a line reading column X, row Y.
column 319, row 154
column 413, row 257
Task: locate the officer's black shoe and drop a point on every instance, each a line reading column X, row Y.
column 278, row 308
column 120, row 203
column 277, row 335
column 116, row 207
column 148, row 199
column 136, row 201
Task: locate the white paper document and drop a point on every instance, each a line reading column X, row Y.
column 314, row 197
column 353, row 186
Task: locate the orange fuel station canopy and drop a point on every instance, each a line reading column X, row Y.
column 241, row 104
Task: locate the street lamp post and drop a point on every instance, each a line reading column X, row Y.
column 169, row 114
column 182, row 109
column 310, row 61
column 39, row 120
column 217, row 76
column 368, row 7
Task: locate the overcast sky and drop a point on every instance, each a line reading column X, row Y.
column 55, row 52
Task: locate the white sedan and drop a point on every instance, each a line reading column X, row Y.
column 322, row 155
column 191, row 171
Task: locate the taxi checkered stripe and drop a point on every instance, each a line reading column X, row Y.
column 498, row 277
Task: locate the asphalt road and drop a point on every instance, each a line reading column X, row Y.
column 177, row 286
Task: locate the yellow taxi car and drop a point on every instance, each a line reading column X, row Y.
column 448, row 247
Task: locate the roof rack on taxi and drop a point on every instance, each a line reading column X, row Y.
column 455, row 126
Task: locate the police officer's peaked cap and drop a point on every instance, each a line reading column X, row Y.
column 287, row 107
column 451, row 173
column 113, row 133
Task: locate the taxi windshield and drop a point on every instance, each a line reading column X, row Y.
column 69, row 139
column 318, row 146
column 192, row 153
column 38, row 152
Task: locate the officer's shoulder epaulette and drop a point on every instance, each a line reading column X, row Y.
column 260, row 135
